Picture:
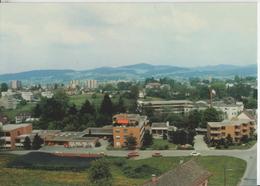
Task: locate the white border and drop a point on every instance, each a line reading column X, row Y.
column 176, row 1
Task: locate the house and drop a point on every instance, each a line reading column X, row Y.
column 27, row 96
column 153, row 86
column 159, row 129
column 47, row 94
column 12, row 134
column 125, row 125
column 22, row 117
column 189, row 173
column 230, row 110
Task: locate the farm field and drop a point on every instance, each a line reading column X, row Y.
column 122, row 171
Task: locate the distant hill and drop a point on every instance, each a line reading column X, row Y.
column 132, row 72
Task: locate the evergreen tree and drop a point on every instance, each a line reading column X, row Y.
column 87, row 108
column 131, row 142
column 37, row 142
column 148, row 138
column 106, row 107
column 27, row 143
column 120, row 108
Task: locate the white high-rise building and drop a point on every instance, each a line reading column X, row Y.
column 91, row 84
column 15, row 84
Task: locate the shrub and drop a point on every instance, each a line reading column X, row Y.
column 98, row 144
column 119, row 162
column 140, row 171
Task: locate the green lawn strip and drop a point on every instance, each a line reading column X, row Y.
column 245, row 146
column 215, row 164
column 159, row 144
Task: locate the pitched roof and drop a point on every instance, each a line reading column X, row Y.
column 186, row 174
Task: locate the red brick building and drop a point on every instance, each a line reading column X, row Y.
column 13, row 132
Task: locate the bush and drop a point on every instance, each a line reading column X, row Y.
column 119, row 162
column 98, row 144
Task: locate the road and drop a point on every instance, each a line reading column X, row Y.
column 250, row 156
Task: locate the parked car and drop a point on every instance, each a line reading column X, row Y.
column 194, row 153
column 156, row 154
column 132, row 154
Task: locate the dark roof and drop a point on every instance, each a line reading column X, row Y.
column 159, row 125
column 99, row 131
column 186, row 174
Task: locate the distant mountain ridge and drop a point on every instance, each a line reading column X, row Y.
column 132, row 72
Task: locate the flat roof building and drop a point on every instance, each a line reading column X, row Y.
column 13, row 132
column 125, row 125
column 170, row 106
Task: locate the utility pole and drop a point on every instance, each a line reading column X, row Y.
column 225, row 181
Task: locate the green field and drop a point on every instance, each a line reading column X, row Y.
column 215, row 164
column 20, row 109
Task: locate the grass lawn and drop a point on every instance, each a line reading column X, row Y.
column 20, row 109
column 160, row 143
column 214, row 164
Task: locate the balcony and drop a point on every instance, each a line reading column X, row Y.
column 6, row 138
column 18, row 144
column 215, row 132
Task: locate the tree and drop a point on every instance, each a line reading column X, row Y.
column 134, row 92
column 4, row 87
column 2, row 141
column 147, row 139
column 72, row 110
column 37, row 111
column 229, row 140
column 210, row 115
column 99, row 173
column 27, row 143
column 194, row 119
column 131, row 142
column 37, row 142
column 120, row 107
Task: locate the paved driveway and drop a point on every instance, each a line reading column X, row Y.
column 199, row 143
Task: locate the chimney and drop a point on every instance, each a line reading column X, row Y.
column 154, row 179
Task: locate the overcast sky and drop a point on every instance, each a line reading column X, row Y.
column 84, row 36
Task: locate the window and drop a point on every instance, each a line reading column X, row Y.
column 125, row 130
column 117, row 137
column 117, row 130
column 223, row 128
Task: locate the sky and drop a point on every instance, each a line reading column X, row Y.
column 84, row 36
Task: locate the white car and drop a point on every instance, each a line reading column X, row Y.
column 194, row 153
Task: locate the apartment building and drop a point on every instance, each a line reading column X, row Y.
column 91, row 84
column 8, row 102
column 170, row 106
column 125, row 125
column 236, row 128
column 14, row 133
